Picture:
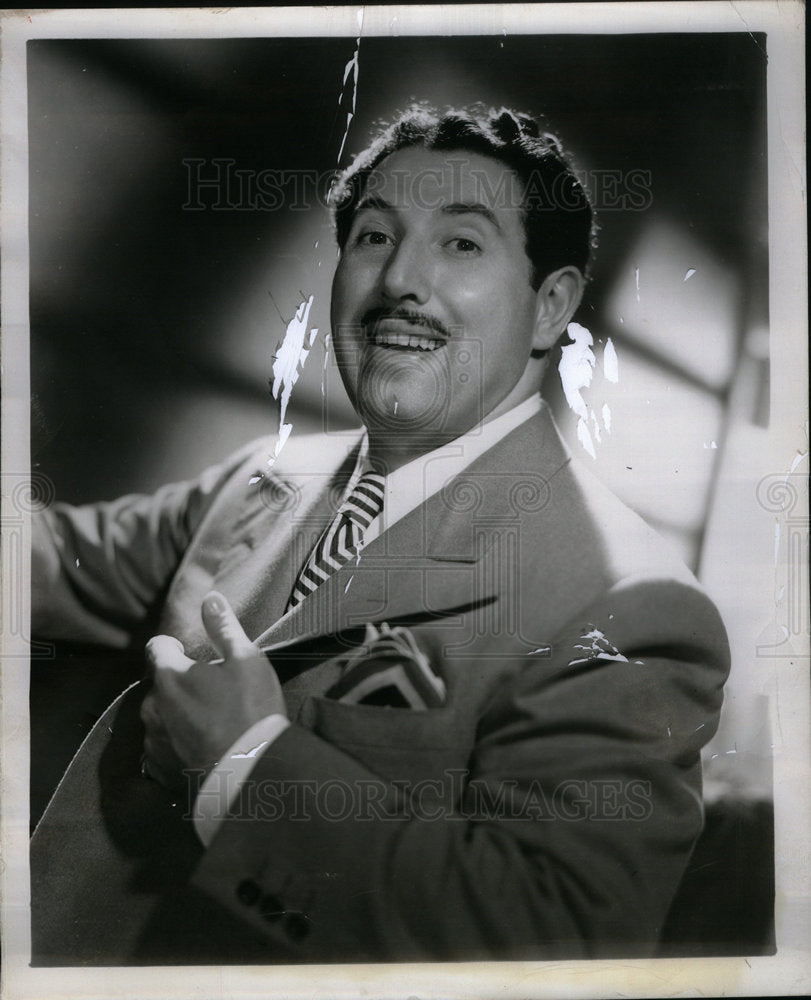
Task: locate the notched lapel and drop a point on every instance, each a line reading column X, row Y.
column 305, row 502
column 426, row 565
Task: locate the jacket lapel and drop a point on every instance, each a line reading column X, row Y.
column 423, row 567
column 273, row 524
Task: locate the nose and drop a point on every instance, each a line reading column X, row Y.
column 407, row 273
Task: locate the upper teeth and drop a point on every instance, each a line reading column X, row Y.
column 407, row 340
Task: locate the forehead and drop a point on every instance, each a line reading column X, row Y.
column 428, row 179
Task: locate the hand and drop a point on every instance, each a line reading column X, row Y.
column 196, row 710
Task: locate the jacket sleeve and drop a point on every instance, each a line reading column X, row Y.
column 99, row 572
column 566, row 836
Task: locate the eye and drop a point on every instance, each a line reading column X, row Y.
column 373, row 238
column 462, row 245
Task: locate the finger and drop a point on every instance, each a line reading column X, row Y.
column 223, row 628
column 149, row 714
column 166, row 653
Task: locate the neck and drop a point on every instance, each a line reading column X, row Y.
column 388, row 451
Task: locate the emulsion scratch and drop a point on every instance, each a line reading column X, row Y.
column 250, row 753
column 351, row 67
column 287, row 365
column 636, row 276
column 596, row 645
column 576, row 369
column 327, row 342
column 797, row 459
column 610, row 362
column 690, row 272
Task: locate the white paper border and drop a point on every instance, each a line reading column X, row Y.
column 789, row 972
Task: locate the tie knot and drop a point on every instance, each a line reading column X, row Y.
column 365, row 501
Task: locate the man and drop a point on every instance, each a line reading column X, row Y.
column 438, row 693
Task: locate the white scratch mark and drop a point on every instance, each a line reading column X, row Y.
column 327, row 342
column 254, row 479
column 776, row 542
column 698, row 727
column 596, row 426
column 710, row 446
column 599, row 647
column 396, row 404
column 576, row 367
column 636, row 276
column 607, row 417
column 797, row 459
column 622, row 320
column 351, row 67
column 540, row 649
column 668, row 731
column 286, row 368
column 77, row 563
column 250, row 753
column 690, row 272
column 584, row 437
column 610, row 363
column 351, row 578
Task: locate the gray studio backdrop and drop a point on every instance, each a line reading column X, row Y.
column 177, row 223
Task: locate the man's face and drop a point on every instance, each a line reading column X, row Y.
column 432, row 304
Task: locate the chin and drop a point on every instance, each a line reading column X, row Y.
column 403, row 397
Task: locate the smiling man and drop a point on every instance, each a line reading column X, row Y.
column 446, row 696
column 435, row 263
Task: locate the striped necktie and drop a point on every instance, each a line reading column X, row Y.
column 342, row 539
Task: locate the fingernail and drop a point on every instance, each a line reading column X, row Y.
column 215, row 604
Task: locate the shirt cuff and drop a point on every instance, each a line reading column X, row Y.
column 220, row 788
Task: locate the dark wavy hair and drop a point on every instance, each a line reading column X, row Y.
column 558, row 217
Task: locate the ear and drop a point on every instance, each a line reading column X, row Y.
column 557, row 299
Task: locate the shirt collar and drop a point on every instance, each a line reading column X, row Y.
column 413, row 483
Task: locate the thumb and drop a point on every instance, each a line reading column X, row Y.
column 223, row 628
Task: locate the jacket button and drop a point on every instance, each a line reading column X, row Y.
column 248, row 892
column 297, row 925
column 270, row 908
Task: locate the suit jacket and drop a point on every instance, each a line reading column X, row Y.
column 547, row 809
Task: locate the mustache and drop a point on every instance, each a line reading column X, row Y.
column 374, row 316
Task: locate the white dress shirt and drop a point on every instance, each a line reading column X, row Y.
column 405, row 489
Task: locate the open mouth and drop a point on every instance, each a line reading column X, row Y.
column 403, row 334
column 406, row 341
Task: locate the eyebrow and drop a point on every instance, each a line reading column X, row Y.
column 455, row 208
column 471, row 208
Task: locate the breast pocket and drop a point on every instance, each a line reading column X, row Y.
column 395, row 743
